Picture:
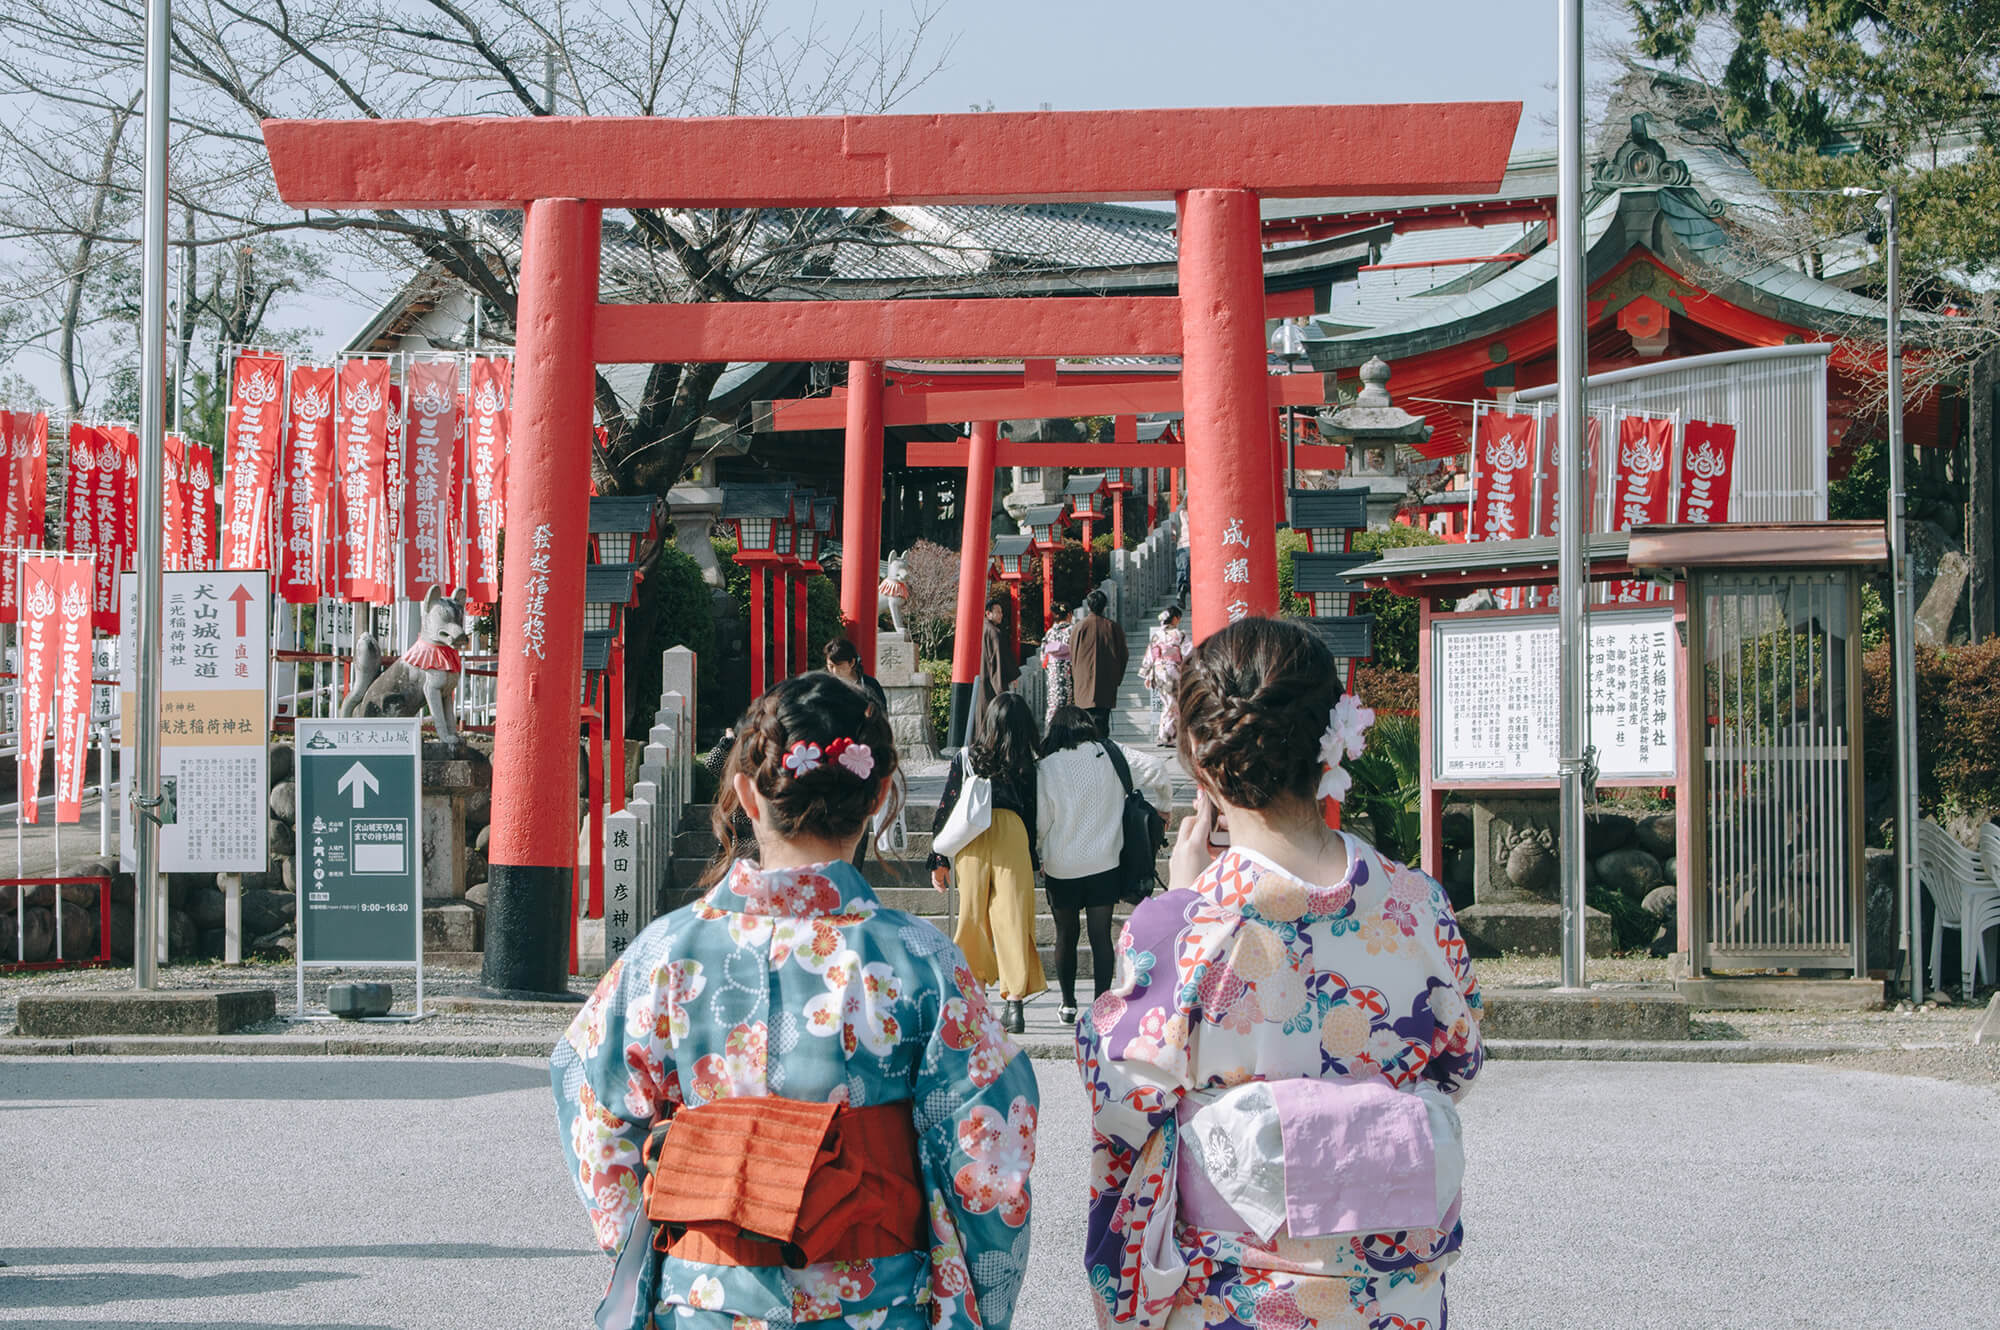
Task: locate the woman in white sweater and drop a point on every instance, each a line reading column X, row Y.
column 1079, row 824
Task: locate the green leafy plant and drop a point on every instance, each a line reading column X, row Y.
column 1388, row 787
column 940, row 672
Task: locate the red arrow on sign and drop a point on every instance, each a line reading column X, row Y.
column 241, row 599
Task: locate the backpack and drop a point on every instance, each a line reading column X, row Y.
column 1145, row 833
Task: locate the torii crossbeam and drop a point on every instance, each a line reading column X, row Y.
column 563, row 171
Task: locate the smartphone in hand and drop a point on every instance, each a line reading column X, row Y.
column 1218, row 836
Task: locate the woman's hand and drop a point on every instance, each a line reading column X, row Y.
column 1192, row 854
column 940, row 878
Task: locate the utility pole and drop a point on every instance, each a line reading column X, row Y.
column 145, row 782
column 1572, row 333
column 1902, row 592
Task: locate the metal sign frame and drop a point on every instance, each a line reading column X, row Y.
column 304, row 730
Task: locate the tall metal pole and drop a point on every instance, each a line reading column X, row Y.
column 152, row 495
column 1572, row 333
column 1906, row 644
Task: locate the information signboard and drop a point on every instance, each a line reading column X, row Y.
column 1494, row 699
column 360, row 842
column 215, row 728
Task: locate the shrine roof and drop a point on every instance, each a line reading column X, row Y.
column 1694, row 206
column 1443, row 569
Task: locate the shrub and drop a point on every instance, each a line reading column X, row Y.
column 1290, row 605
column 940, row 672
column 1958, row 725
column 932, row 610
column 1388, row 787
column 1389, row 692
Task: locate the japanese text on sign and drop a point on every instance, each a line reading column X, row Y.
column 1496, row 706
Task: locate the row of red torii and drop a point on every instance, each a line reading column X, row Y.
column 1215, row 164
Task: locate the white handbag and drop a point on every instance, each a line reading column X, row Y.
column 970, row 816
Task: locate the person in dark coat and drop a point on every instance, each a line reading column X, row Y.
column 1097, row 660
column 998, row 668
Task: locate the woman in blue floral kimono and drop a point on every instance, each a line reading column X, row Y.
column 1272, row 1079
column 788, row 1029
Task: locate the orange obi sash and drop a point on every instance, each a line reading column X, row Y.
column 769, row 1181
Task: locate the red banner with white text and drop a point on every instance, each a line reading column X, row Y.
column 1708, row 466
column 488, row 423
column 1503, row 450
column 74, row 584
column 24, row 458
column 1641, row 483
column 361, row 495
column 433, row 488
column 395, row 475
column 173, row 493
column 201, row 508
column 250, row 457
column 40, row 603
column 304, row 489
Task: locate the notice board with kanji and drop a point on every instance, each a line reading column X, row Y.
column 215, row 726
column 1494, row 697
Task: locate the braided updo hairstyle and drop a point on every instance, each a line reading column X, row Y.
column 829, row 802
column 1254, row 700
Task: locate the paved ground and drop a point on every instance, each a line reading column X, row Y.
column 246, row 1194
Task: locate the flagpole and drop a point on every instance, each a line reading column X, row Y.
column 152, row 458
column 1571, row 332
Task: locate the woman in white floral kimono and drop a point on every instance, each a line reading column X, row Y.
column 1272, row 1078
column 787, row 1027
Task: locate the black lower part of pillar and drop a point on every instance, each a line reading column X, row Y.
column 527, row 933
column 961, row 715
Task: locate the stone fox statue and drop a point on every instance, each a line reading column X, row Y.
column 424, row 676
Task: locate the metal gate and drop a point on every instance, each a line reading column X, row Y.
column 1779, row 744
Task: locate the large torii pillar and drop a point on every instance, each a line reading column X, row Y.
column 1233, row 532
column 533, row 852
column 861, row 508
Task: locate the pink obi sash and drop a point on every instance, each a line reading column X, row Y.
column 1312, row 1158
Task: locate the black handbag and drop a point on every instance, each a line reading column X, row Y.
column 1145, row 833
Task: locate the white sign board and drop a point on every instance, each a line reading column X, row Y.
column 215, row 718
column 1494, row 697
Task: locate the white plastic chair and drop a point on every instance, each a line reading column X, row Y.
column 1963, row 897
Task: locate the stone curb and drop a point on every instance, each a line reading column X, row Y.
column 517, row 1046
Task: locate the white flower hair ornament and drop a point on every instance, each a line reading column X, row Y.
column 858, row 759
column 1346, row 735
column 803, row 757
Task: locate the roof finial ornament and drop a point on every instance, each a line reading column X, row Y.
column 1640, row 162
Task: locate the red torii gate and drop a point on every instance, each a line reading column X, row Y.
column 563, row 171
column 1036, row 393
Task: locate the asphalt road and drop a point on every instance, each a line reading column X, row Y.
column 249, row 1193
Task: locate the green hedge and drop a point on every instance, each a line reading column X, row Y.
column 1958, row 725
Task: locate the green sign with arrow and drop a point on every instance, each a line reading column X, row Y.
column 360, row 854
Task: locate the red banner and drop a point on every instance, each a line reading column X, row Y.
column 25, row 460
column 1708, row 465
column 201, row 508
column 114, row 518
column 302, row 501
column 361, row 499
column 173, row 490
column 1645, row 458
column 80, row 487
column 395, row 471
column 250, row 453
column 74, row 579
column 434, row 487
column 40, row 601
column 1503, row 450
column 489, row 415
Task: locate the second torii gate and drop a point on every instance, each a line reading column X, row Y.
column 564, row 171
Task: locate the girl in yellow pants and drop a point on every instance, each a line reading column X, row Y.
column 996, row 871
